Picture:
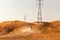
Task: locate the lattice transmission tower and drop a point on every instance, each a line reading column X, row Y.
column 24, row 17
column 39, row 16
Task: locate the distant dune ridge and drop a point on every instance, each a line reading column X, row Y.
column 34, row 31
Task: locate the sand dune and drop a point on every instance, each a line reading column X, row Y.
column 30, row 31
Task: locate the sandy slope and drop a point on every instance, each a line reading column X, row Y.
column 19, row 30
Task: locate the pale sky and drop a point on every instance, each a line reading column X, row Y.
column 15, row 10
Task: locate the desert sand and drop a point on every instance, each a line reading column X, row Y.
column 20, row 30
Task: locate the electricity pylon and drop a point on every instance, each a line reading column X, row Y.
column 24, row 17
column 39, row 16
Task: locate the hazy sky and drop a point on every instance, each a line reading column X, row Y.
column 15, row 10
